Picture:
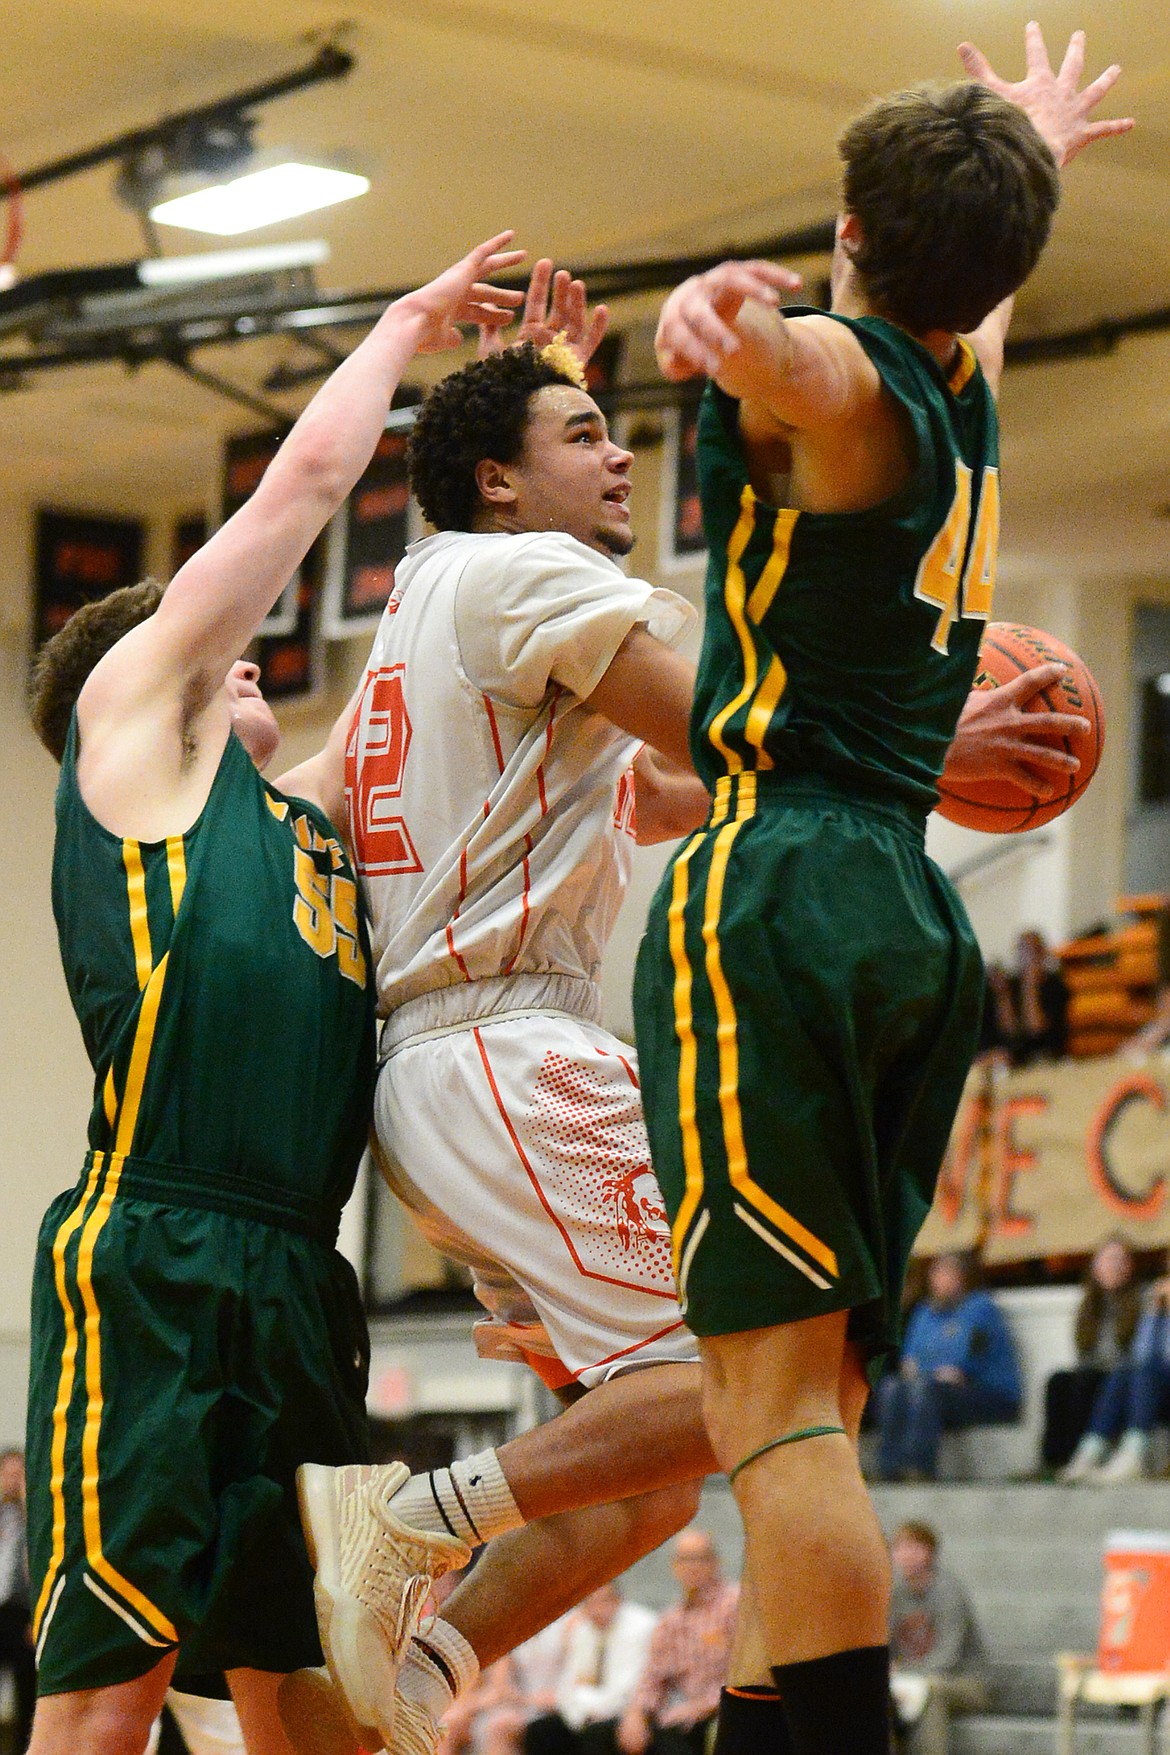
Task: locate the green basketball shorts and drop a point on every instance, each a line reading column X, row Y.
column 185, row 1361
column 807, row 1001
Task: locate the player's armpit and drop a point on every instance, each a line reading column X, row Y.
column 998, row 738
column 647, row 691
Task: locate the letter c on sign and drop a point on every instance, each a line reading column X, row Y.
column 1134, row 1088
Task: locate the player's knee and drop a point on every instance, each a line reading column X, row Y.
column 94, row 1726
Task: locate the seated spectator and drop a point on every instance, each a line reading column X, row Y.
column 1106, row 1322
column 489, row 1718
column 676, row 1701
column 958, row 1368
column 605, row 1653
column 936, row 1650
column 1025, row 1015
column 1131, row 1401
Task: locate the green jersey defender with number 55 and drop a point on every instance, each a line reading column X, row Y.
column 195, row 1335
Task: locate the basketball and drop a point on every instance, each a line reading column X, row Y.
column 1001, row 806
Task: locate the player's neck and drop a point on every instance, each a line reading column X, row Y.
column 849, row 300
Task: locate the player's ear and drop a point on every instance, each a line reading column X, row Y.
column 849, row 233
column 494, row 483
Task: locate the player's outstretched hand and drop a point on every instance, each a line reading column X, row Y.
column 695, row 334
column 556, row 304
column 461, row 295
column 1059, row 112
column 998, row 739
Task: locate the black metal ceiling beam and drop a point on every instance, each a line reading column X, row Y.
column 329, row 62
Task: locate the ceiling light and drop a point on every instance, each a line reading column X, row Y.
column 228, row 264
column 260, row 198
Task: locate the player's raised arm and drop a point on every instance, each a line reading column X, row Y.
column 218, row 599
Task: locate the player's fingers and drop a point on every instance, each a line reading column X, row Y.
column 775, row 274
column 536, row 301
column 1035, row 51
column 575, row 304
column 592, row 339
column 1101, row 86
column 558, row 311
column 1029, row 683
column 1055, row 725
column 1104, row 130
column 977, row 66
column 1048, row 757
column 1073, row 64
column 677, row 367
column 483, row 293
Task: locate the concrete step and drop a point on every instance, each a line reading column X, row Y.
column 1023, row 1686
column 993, row 1734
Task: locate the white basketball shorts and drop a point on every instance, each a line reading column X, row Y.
column 519, row 1145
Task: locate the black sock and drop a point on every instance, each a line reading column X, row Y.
column 838, row 1705
column 751, row 1722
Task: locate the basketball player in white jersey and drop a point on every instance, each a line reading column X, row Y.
column 494, row 774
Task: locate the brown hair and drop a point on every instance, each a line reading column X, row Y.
column 955, row 191
column 64, row 662
column 918, row 1532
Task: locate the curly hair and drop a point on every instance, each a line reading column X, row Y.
column 478, row 412
column 64, row 662
column 955, row 191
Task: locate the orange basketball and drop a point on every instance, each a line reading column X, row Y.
column 1000, row 805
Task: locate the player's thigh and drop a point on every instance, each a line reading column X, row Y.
column 527, row 1136
column 760, row 1384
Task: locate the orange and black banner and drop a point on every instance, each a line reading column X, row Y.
column 1050, row 1159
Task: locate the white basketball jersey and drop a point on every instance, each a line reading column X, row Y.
column 490, row 810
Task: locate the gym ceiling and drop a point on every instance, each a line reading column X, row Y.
column 604, row 131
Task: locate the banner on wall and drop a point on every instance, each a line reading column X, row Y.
column 1048, row 1160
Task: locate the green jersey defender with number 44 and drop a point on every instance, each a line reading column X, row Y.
column 806, row 967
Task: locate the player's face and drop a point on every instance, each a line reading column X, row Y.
column 252, row 718
column 570, row 475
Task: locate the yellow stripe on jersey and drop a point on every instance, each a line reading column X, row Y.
column 110, row 1096
column 728, row 1045
column 964, row 368
column 684, row 1027
column 176, row 871
column 64, row 1388
column 139, row 923
column 746, row 613
column 90, row 1477
column 735, row 598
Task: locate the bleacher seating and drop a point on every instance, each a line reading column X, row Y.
column 1113, row 977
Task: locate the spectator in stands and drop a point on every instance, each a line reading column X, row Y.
column 1131, row 1401
column 605, row 1654
column 936, row 1650
column 1025, row 1015
column 1106, row 1323
column 489, row 1718
column 675, row 1703
column 958, row 1368
column 16, row 1646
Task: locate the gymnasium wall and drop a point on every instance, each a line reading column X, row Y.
column 44, row 1078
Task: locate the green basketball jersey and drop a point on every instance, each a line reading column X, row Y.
column 222, row 982
column 845, row 644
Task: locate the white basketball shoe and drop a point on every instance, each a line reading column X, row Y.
column 374, row 1575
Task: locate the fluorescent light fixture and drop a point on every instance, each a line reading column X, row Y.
column 1162, row 683
column 260, row 198
column 229, row 264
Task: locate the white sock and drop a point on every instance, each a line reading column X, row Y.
column 1133, row 1443
column 1091, row 1450
column 471, row 1500
column 439, row 1666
